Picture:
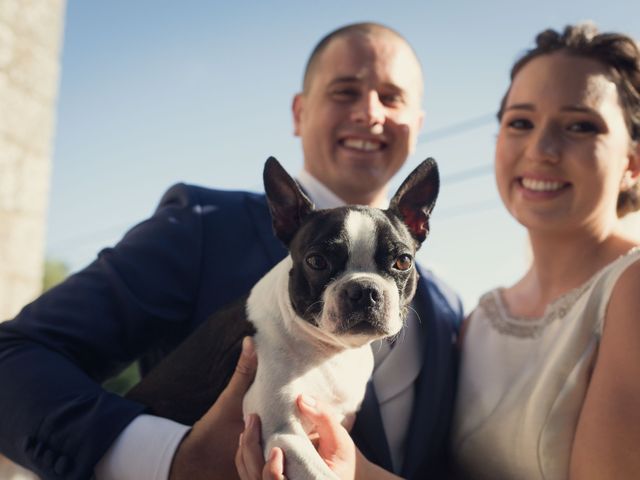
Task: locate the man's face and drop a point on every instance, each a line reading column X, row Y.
column 360, row 116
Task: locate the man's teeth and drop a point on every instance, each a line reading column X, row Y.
column 541, row 185
column 359, row 144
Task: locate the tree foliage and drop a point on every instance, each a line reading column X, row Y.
column 55, row 271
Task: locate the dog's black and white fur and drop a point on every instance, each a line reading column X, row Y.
column 348, row 280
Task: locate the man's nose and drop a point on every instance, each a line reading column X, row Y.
column 369, row 110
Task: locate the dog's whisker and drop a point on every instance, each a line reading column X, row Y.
column 409, row 307
column 377, row 346
column 306, row 312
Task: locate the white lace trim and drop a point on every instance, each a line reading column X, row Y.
column 525, row 327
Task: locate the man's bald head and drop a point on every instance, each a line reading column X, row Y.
column 364, row 29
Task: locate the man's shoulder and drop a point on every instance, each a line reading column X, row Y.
column 183, row 193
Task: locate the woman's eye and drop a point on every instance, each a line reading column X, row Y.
column 317, row 262
column 403, row 262
column 583, row 127
column 520, row 124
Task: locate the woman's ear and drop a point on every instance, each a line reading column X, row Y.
column 631, row 175
column 634, row 160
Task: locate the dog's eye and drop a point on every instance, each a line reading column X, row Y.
column 403, row 262
column 317, row 262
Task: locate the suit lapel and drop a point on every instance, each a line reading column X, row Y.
column 368, row 431
column 428, row 431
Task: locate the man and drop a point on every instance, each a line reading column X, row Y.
column 358, row 117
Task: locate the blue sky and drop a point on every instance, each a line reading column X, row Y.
column 158, row 92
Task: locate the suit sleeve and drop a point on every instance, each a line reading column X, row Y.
column 56, row 418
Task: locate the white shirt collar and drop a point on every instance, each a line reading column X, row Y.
column 319, row 194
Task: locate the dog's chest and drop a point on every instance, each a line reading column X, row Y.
column 339, row 380
column 283, row 374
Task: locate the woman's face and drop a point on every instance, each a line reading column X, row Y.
column 563, row 146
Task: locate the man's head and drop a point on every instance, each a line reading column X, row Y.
column 360, row 110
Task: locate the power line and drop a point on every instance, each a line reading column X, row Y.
column 86, row 237
column 436, row 134
column 457, row 128
column 468, row 174
column 462, row 210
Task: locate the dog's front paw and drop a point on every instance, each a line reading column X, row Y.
column 301, row 460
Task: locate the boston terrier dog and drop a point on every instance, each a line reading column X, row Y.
column 349, row 279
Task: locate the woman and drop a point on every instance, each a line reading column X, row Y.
column 550, row 366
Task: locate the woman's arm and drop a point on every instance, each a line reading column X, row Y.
column 607, row 441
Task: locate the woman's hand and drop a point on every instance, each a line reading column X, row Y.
column 334, row 444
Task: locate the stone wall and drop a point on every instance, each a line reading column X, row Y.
column 30, row 47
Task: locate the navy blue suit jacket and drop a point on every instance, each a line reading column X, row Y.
column 200, row 250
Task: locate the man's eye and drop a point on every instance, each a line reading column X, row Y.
column 520, row 124
column 345, row 94
column 390, row 100
column 316, row 262
column 403, row 262
column 583, row 127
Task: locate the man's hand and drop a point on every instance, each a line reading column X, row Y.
column 207, row 451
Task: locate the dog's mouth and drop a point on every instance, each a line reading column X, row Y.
column 367, row 323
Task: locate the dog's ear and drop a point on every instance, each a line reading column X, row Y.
column 287, row 203
column 416, row 197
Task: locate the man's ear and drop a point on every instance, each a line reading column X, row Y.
column 296, row 109
column 416, row 197
column 287, row 203
column 419, row 122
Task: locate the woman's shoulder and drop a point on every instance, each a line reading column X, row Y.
column 626, row 276
column 623, row 273
column 618, row 283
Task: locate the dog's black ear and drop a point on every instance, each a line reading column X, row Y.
column 287, row 203
column 416, row 197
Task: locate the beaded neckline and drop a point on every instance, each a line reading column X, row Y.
column 498, row 315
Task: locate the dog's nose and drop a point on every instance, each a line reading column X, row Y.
column 363, row 295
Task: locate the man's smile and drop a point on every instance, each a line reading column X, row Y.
column 362, row 145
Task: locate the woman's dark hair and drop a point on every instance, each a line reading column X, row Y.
column 621, row 54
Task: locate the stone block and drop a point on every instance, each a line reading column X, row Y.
column 30, row 43
column 9, row 11
column 7, row 45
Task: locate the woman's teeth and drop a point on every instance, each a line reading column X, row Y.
column 541, row 185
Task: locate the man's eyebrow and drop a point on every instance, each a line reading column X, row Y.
column 355, row 79
column 520, row 106
column 345, row 79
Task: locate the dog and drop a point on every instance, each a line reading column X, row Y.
column 348, row 280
